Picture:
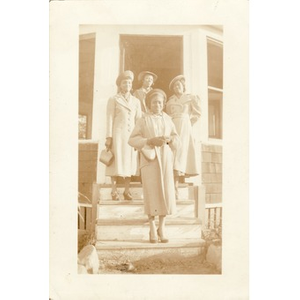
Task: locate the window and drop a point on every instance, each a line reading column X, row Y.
column 215, row 88
column 86, row 85
column 82, row 127
column 215, row 114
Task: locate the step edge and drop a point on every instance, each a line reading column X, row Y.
column 139, row 202
column 132, row 222
column 137, row 245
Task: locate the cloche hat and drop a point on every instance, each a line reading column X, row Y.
column 154, row 92
column 125, row 75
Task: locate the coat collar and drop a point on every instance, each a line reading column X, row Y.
column 122, row 101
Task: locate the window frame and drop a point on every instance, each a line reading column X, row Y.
column 217, row 89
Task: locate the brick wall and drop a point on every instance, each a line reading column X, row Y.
column 87, row 168
column 212, row 172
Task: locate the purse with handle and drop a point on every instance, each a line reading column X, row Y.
column 148, row 152
column 106, row 157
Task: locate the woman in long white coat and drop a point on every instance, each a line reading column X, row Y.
column 185, row 111
column 123, row 110
column 155, row 130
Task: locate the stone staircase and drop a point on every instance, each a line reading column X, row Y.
column 122, row 229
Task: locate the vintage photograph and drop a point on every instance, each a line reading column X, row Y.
column 149, row 150
column 150, row 144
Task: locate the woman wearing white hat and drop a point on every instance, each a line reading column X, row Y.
column 185, row 111
column 123, row 110
column 147, row 78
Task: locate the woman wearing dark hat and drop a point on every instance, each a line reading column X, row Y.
column 147, row 78
column 155, row 130
column 123, row 110
column 185, row 112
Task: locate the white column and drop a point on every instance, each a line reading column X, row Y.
column 195, row 66
column 106, row 72
column 203, row 83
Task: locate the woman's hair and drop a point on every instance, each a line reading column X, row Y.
column 154, row 92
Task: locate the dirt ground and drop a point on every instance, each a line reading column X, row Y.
column 160, row 264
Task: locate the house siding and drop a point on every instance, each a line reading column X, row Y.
column 87, row 168
column 212, row 172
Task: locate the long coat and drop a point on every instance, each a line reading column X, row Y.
column 121, row 118
column 141, row 95
column 157, row 175
column 182, row 110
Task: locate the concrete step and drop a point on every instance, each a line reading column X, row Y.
column 185, row 192
column 138, row 229
column 135, row 209
column 136, row 249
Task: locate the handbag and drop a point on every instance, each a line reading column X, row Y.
column 148, row 152
column 106, row 157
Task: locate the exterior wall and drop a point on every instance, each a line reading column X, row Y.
column 87, row 168
column 107, row 68
column 212, row 172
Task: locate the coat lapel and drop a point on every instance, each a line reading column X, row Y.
column 127, row 104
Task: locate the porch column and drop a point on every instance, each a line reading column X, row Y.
column 106, row 72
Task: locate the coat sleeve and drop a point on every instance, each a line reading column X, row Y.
column 138, row 111
column 175, row 144
column 196, row 107
column 110, row 114
column 137, row 138
column 168, row 110
column 136, row 94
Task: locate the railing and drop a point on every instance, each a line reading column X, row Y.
column 85, row 213
column 213, row 215
column 209, row 214
column 84, row 216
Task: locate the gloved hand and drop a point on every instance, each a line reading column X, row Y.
column 156, row 141
column 108, row 142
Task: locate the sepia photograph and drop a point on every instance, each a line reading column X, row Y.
column 150, row 174
column 148, row 150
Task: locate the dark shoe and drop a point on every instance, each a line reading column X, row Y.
column 162, row 239
column 127, row 196
column 153, row 241
column 115, row 196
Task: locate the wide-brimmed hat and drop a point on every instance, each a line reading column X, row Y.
column 125, row 75
column 179, row 77
column 154, row 92
column 142, row 74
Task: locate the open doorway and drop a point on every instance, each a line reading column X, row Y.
column 162, row 55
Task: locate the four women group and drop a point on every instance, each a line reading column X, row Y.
column 138, row 123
